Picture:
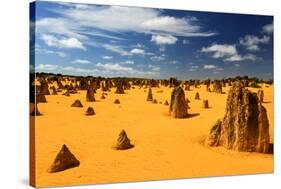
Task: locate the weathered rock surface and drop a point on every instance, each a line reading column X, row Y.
column 116, row 101
column 123, row 142
column 77, row 104
column 245, row 124
column 205, row 104
column 149, row 95
column 197, row 97
column 178, row 106
column 90, row 95
column 64, row 160
column 90, row 111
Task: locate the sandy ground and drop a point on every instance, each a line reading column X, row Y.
column 165, row 148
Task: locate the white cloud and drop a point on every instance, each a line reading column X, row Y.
column 268, row 28
column 185, row 42
column 220, row 51
column 209, row 66
column 52, row 41
column 46, row 51
column 164, row 39
column 128, row 62
column 193, row 68
column 154, row 68
column 229, row 53
column 132, row 19
column 117, row 49
column 113, row 67
column 137, row 51
column 171, row 62
column 236, row 58
column 107, row 57
column 81, row 61
column 252, row 42
column 158, row 58
column 119, row 70
column 46, row 67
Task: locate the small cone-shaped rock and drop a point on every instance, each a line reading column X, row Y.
column 154, row 101
column 123, row 142
column 178, row 106
column 260, row 95
column 205, row 104
column 90, row 96
column 35, row 111
column 149, row 95
column 197, row 97
column 116, row 101
column 64, row 160
column 77, row 104
column 245, row 125
column 166, row 103
column 187, row 100
column 102, row 96
column 90, row 111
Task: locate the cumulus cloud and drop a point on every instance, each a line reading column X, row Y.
column 158, row 58
column 81, row 61
column 128, row 62
column 185, row 42
column 237, row 57
column 53, row 41
column 220, row 51
column 194, row 67
column 46, row 67
column 107, row 57
column 252, row 42
column 153, row 67
column 268, row 28
column 228, row 53
column 209, row 66
column 137, row 51
column 164, row 39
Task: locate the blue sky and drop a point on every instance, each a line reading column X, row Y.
column 110, row 41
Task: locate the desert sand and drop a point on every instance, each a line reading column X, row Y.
column 164, row 147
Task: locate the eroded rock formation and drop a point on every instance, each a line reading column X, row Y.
column 245, row 125
column 178, row 106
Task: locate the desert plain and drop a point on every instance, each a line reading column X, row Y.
column 164, row 147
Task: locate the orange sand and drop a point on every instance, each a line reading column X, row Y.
column 165, row 148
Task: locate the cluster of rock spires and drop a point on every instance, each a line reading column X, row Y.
column 244, row 126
